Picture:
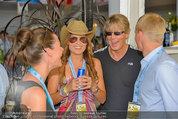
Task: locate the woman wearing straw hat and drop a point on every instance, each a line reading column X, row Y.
column 77, row 94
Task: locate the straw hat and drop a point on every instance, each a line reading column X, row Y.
column 78, row 28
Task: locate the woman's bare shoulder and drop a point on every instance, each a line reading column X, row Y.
column 96, row 61
column 34, row 98
column 55, row 71
column 35, row 92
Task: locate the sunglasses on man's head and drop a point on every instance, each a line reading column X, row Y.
column 74, row 39
column 115, row 33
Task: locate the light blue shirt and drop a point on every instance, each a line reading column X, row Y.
column 4, row 84
column 159, row 89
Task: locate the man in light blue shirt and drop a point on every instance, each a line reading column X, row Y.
column 156, row 87
column 4, row 84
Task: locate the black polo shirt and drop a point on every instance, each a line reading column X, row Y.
column 119, row 77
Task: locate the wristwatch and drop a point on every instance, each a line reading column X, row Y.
column 96, row 90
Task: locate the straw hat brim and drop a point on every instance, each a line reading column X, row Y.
column 65, row 33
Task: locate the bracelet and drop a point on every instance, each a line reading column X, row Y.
column 63, row 92
column 64, row 88
column 96, row 90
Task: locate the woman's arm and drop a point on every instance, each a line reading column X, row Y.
column 53, row 83
column 97, row 87
column 101, row 93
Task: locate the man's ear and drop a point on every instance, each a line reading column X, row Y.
column 141, row 35
column 127, row 35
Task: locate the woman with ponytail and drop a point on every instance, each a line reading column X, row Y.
column 40, row 49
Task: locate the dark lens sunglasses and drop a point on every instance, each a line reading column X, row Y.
column 115, row 33
column 74, row 39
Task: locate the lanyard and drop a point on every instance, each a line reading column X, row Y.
column 37, row 75
column 75, row 76
column 142, row 74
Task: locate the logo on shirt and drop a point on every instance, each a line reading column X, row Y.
column 130, row 63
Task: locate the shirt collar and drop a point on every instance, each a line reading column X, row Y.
column 148, row 57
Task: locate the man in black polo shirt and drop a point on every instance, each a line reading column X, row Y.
column 120, row 64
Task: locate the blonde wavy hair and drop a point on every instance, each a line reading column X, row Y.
column 118, row 20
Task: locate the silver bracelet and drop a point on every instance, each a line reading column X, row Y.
column 96, row 90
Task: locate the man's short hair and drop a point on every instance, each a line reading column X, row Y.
column 2, row 32
column 153, row 26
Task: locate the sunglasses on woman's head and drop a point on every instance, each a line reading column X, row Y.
column 115, row 33
column 74, row 39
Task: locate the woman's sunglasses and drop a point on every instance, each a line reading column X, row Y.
column 74, row 39
column 115, row 33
